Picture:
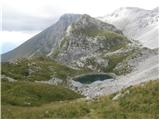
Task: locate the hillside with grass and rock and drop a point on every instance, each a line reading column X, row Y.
column 83, row 67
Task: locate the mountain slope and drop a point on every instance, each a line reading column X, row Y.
column 136, row 102
column 89, row 36
column 44, row 42
column 136, row 23
column 34, row 94
column 38, row 69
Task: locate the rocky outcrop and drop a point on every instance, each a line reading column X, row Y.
column 6, row 78
column 52, row 81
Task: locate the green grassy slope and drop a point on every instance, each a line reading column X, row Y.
column 141, row 102
column 33, row 94
column 38, row 69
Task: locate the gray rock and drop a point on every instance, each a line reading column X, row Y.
column 52, row 81
column 8, row 78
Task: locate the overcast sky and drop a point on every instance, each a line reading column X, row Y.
column 21, row 19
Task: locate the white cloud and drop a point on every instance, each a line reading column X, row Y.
column 47, row 8
column 10, row 40
column 27, row 15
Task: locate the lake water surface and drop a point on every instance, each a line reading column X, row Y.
column 89, row 78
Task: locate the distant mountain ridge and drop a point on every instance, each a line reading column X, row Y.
column 136, row 23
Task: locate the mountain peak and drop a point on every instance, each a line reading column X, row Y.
column 86, row 16
column 69, row 16
column 46, row 42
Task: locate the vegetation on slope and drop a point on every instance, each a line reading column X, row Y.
column 115, row 59
column 33, row 94
column 141, row 102
column 38, row 69
column 110, row 62
column 111, row 39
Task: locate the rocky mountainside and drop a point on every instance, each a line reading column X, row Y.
column 136, row 23
column 79, row 44
column 42, row 43
column 45, row 43
column 88, row 36
column 65, row 70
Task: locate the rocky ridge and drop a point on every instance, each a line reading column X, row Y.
column 136, row 23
